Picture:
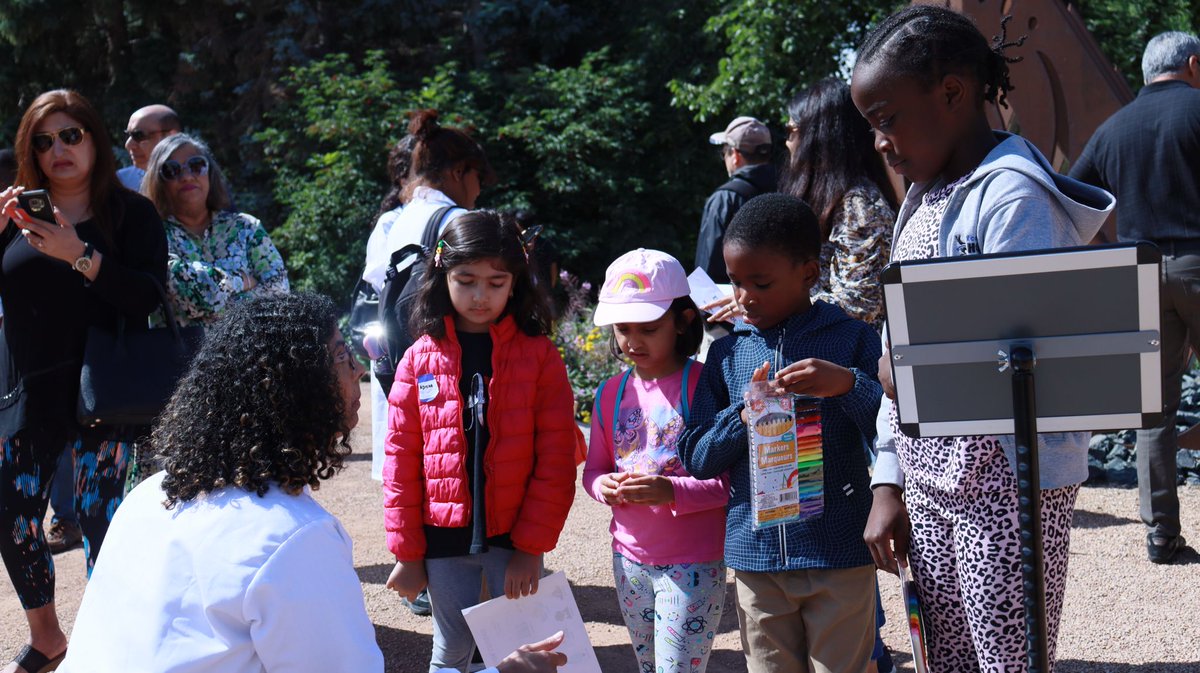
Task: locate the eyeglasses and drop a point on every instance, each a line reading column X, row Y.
column 140, row 136
column 72, row 135
column 171, row 169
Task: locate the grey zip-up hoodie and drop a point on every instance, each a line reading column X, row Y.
column 1014, row 200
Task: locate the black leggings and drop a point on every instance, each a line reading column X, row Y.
column 27, row 464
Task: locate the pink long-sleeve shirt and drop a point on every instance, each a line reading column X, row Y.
column 692, row 528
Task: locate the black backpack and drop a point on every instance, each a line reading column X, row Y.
column 400, row 286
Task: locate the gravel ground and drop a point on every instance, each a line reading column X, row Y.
column 1122, row 614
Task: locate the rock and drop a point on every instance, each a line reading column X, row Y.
column 1185, row 459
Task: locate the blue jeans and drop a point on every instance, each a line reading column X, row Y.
column 455, row 583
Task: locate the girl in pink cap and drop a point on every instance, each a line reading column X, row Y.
column 668, row 528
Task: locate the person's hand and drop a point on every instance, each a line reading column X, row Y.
column 888, row 528
column 522, row 574
column 609, row 486
column 647, row 489
column 408, row 578
column 724, row 309
column 53, row 240
column 819, row 378
column 8, row 205
column 535, row 657
column 759, row 375
column 885, row 373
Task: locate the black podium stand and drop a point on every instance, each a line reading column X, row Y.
column 1059, row 340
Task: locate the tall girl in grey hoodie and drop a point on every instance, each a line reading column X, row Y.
column 950, row 504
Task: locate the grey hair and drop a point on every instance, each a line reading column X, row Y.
column 1168, row 53
column 155, row 188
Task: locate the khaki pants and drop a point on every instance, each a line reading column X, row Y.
column 807, row 621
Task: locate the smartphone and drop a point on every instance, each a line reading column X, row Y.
column 36, row 202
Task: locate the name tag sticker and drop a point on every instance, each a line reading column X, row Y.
column 427, row 388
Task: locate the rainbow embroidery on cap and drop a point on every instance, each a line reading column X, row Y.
column 634, row 280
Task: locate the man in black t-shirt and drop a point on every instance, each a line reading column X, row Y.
column 1148, row 156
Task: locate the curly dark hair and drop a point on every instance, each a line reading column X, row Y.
column 778, row 222
column 473, row 236
column 260, row 405
column 836, row 151
column 928, row 42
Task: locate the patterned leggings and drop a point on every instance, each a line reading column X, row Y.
column 672, row 612
column 27, row 464
column 965, row 558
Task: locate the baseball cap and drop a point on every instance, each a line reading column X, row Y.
column 639, row 287
column 746, row 134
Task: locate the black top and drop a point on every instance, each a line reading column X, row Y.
column 1148, row 156
column 745, row 183
column 48, row 308
column 447, row 542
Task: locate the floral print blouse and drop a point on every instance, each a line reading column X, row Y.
column 858, row 248
column 205, row 273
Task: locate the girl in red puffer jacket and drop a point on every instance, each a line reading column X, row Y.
column 480, row 467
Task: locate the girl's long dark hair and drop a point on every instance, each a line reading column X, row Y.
column 480, row 234
column 438, row 148
column 836, row 151
column 398, row 166
column 260, row 407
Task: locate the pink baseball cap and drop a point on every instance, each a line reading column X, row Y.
column 639, row 287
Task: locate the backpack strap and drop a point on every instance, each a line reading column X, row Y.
column 740, row 186
column 599, row 417
column 433, row 227
column 683, row 391
column 617, row 403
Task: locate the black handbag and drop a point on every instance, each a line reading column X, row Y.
column 364, row 315
column 129, row 375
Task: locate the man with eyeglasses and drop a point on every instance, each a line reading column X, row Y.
column 146, row 128
column 746, row 151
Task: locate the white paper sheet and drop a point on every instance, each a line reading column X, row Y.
column 703, row 290
column 502, row 625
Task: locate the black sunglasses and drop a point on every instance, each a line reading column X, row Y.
column 171, row 169
column 72, row 135
column 138, row 135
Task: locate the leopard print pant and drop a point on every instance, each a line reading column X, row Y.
column 965, row 557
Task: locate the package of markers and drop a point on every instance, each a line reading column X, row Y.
column 786, row 459
column 916, row 626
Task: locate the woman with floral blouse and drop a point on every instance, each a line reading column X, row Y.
column 216, row 256
column 834, row 168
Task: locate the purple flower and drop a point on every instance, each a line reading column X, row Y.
column 564, row 276
column 587, row 287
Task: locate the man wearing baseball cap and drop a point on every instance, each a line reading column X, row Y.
column 746, row 151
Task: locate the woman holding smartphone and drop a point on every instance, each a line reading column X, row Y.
column 100, row 260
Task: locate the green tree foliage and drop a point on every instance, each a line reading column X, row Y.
column 595, row 113
column 770, row 48
column 1123, row 27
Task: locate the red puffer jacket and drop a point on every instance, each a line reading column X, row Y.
column 529, row 461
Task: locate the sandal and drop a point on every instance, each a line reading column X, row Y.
column 33, row 661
